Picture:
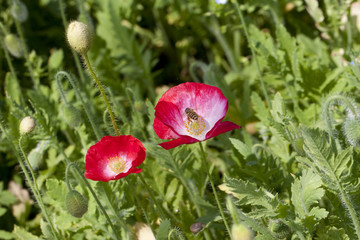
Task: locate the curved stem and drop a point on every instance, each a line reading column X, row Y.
column 61, row 90
column 34, row 187
column 326, row 110
column 121, row 221
column 263, row 88
column 213, row 188
column 92, row 192
column 158, row 206
column 188, row 189
column 102, row 91
column 35, row 79
column 91, row 118
column 67, row 176
column 193, row 66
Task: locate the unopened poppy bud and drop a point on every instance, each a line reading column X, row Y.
column 13, row 45
column 241, row 232
column 196, row 227
column 19, row 11
column 76, row 204
column 72, row 115
column 79, row 36
column 27, row 125
column 351, row 130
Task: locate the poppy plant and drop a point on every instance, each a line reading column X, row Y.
column 191, row 112
column 113, row 158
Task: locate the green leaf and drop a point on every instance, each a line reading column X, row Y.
column 314, row 10
column 6, row 235
column 12, row 88
column 56, row 59
column 22, row 234
column 250, row 194
column 306, row 192
column 243, row 149
column 56, row 193
column 278, row 107
column 163, row 230
column 259, row 106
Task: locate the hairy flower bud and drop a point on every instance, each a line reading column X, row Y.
column 13, row 45
column 27, row 125
column 79, row 36
column 19, row 11
column 72, row 115
column 76, row 204
column 241, row 232
column 196, row 227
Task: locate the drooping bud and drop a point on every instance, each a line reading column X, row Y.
column 351, row 129
column 241, row 232
column 76, row 204
column 72, row 115
column 19, row 11
column 36, row 155
column 196, row 227
column 14, row 46
column 79, row 36
column 27, row 125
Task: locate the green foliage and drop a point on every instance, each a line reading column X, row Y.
column 291, row 172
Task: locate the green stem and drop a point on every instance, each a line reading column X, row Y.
column 120, row 221
column 102, row 91
column 90, row 116
column 158, row 206
column 67, row 176
column 77, row 61
column 326, row 110
column 240, row 15
column 34, row 79
column 33, row 185
column 213, row 188
column 7, row 56
column 91, row 190
column 189, row 191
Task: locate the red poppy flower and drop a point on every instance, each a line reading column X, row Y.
column 113, row 158
column 191, row 112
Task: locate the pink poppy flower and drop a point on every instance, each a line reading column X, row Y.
column 113, row 158
column 191, row 112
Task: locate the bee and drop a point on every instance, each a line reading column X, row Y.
column 191, row 114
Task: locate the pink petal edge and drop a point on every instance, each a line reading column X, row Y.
column 222, row 127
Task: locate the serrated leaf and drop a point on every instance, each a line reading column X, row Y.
column 278, row 107
column 22, row 234
column 259, row 106
column 314, row 10
column 250, row 194
column 56, row 193
column 163, row 230
column 306, row 192
column 12, row 88
column 243, row 149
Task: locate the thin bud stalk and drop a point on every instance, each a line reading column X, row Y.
column 103, row 94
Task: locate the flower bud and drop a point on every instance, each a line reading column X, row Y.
column 79, row 36
column 76, row 204
column 72, row 115
column 13, row 45
column 241, row 232
column 196, row 227
column 351, row 130
column 27, row 125
column 19, row 11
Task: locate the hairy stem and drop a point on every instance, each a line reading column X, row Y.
column 243, row 24
column 102, row 91
column 213, row 188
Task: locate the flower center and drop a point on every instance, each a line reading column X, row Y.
column 195, row 127
column 117, row 164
